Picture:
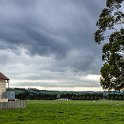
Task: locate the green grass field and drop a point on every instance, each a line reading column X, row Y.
column 66, row 112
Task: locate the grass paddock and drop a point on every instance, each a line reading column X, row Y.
column 66, row 112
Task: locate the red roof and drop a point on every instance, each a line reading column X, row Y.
column 3, row 77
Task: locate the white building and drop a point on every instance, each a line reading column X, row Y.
column 3, row 81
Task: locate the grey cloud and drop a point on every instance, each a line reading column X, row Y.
column 58, row 84
column 61, row 30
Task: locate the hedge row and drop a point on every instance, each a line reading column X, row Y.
column 24, row 96
column 33, row 96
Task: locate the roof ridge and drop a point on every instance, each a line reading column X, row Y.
column 2, row 76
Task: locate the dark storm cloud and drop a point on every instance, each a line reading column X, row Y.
column 59, row 29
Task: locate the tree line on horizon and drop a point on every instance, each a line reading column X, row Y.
column 35, row 94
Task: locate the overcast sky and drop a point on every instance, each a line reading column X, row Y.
column 49, row 44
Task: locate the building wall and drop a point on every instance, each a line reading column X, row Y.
column 2, row 88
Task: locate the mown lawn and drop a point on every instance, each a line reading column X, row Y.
column 66, row 112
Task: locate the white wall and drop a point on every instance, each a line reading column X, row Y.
column 2, row 88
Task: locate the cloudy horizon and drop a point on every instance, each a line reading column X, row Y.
column 49, row 44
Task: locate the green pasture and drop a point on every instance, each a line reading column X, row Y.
column 66, row 112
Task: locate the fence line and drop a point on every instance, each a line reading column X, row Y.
column 13, row 104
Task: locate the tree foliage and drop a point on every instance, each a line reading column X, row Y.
column 111, row 30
